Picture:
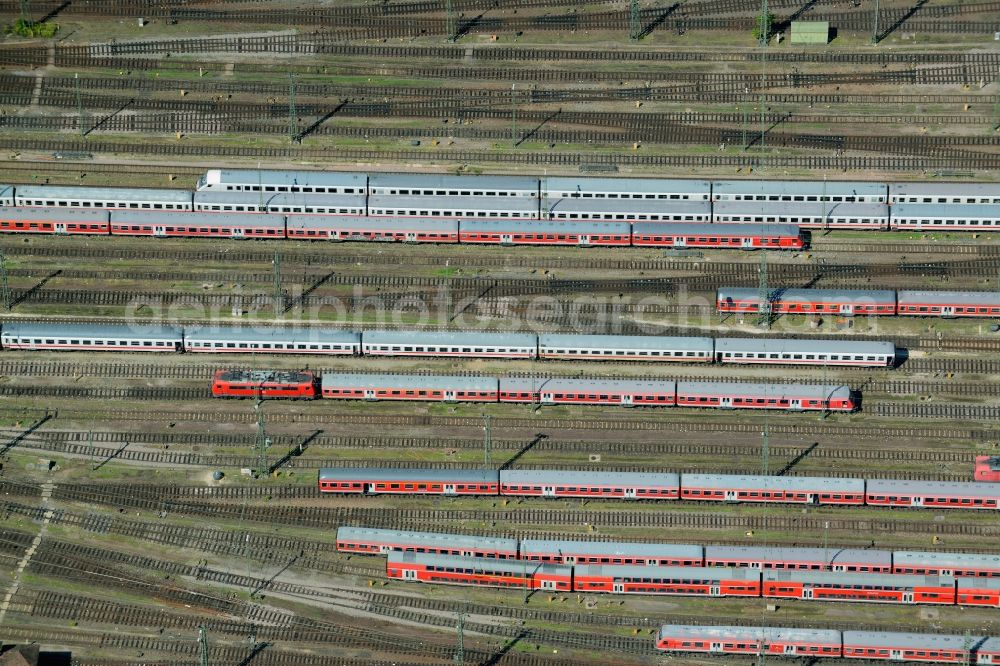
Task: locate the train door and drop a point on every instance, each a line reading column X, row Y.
column 409, row 574
column 916, row 501
column 548, row 584
column 896, row 655
column 569, row 559
column 907, row 597
column 715, row 647
column 449, row 489
column 411, row 237
column 449, row 395
column 630, row 493
column 626, row 400
column 618, row 588
column 680, row 241
column 548, row 491
column 807, row 592
column 847, row 309
column 159, row 230
column 714, row 591
column 795, row 404
column 384, row 549
column 790, row 649
column 239, row 232
column 547, row 398
column 583, row 239
column 730, row 495
column 370, row 394
column 747, row 243
column 812, row 498
column 947, row 311
column 506, row 239
column 60, row 227
column 726, row 402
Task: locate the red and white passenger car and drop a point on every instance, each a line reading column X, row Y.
column 481, row 571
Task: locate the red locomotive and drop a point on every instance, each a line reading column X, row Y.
column 987, row 469
column 263, row 384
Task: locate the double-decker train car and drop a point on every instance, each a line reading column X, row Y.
column 279, row 202
column 263, row 384
column 661, row 189
column 944, row 193
column 479, row 571
column 447, row 185
column 462, row 207
column 868, row 587
column 777, row 641
column 946, row 217
column 369, row 540
column 801, row 192
column 979, row 592
column 850, row 560
column 109, row 198
column 677, row 581
column 848, row 216
column 635, row 210
column 271, row 180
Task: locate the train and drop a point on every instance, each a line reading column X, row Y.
column 817, row 644
column 987, row 469
column 693, row 581
column 692, row 487
column 509, row 210
column 33, row 336
column 853, row 302
column 378, row 541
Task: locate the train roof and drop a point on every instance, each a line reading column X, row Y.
column 570, row 384
column 627, row 207
column 612, row 548
column 272, row 334
column 597, row 184
column 104, row 193
column 840, row 577
column 833, row 209
column 380, row 223
column 408, row 382
column 449, row 181
column 709, row 229
column 449, row 338
column 877, row 296
column 651, row 571
column 546, row 226
column 949, row 297
column 280, row 198
column 933, row 488
column 453, row 202
column 481, row 564
column 265, row 376
column 890, row 639
column 947, row 210
column 285, row 178
column 991, row 644
column 944, row 189
column 776, row 391
column 406, row 474
column 978, row 582
column 111, row 331
column 823, row 636
column 759, row 482
column 52, row 214
column 798, row 187
column 946, row 560
column 829, row 555
column 6, row 190
column 427, row 538
column 587, row 478
column 805, row 345
column 174, row 218
column 655, row 342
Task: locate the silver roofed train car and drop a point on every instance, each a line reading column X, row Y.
column 444, row 185
column 545, row 232
column 813, row 216
column 946, row 217
column 565, row 390
column 809, row 301
column 806, row 351
column 598, row 481
column 555, row 187
column 714, row 636
column 958, row 564
column 799, row 191
column 280, row 202
column 271, row 180
column 449, row 343
column 520, row 208
column 370, row 539
column 357, row 386
column 6, row 195
column 944, row 193
column 92, row 337
column 624, row 347
column 949, row 303
column 809, row 559
column 604, row 552
column 630, row 210
column 189, row 224
column 272, row 340
column 897, row 645
column 812, row 486
column 359, row 227
column 953, row 494
column 130, row 198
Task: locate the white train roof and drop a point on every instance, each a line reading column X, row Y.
column 574, row 385
column 775, row 391
column 53, row 214
column 831, row 209
column 654, row 571
column 934, row 488
column 103, row 193
column 627, row 207
column 803, row 345
column 642, row 342
column 174, row 218
column 481, row 564
column 585, row 478
column 453, row 202
column 454, row 182
column 944, row 189
column 476, row 339
column 786, row 483
column 438, row 539
column 877, row 296
column 822, row 636
column 282, row 177
column 545, row 227
column 990, row 645
column 843, row 578
column 91, row 331
column 376, row 223
column 280, row 198
column 406, row 474
column 785, row 554
column 272, row 334
column 946, row 560
column 948, row 211
column 715, row 230
column 798, row 187
column 553, row 185
column 408, row 382
column 895, row 639
column 949, row 297
column 611, row 548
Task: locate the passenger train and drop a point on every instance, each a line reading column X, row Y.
column 446, row 344
column 871, row 302
column 713, row 488
column 501, row 209
column 816, row 644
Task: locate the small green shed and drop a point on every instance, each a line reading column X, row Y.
column 810, row 32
